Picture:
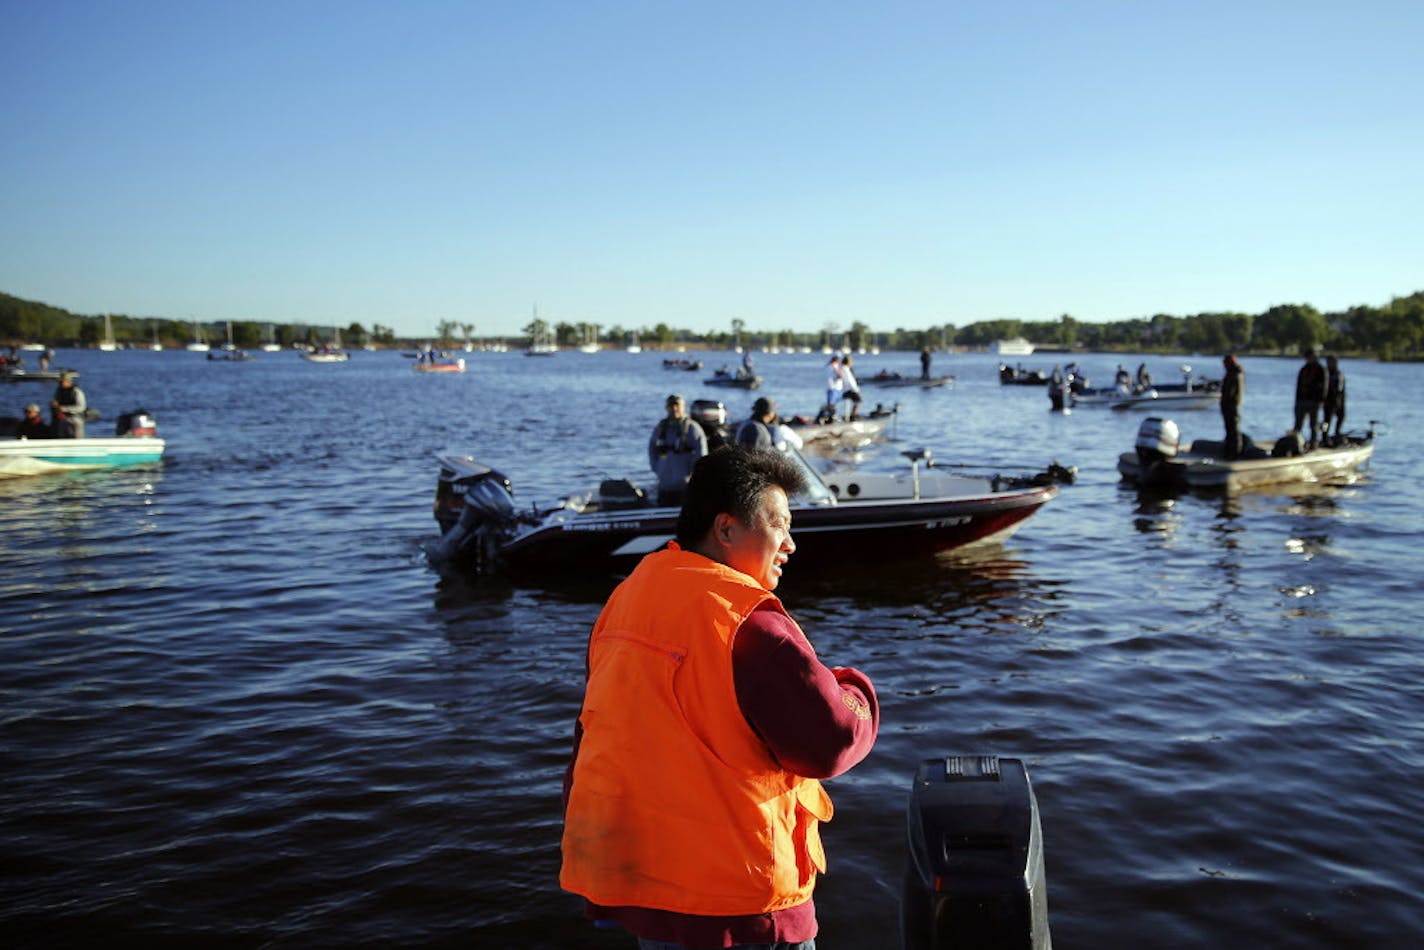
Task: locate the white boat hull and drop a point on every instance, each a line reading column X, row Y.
column 24, row 457
column 1157, row 402
column 1210, row 472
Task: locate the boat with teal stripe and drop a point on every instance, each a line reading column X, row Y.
column 136, row 444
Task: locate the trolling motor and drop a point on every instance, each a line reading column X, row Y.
column 974, row 877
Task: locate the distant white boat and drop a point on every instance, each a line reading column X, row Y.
column 271, row 346
column 329, row 352
column 107, row 344
column 1017, row 346
column 198, row 344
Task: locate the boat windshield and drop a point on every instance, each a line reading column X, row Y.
column 817, row 493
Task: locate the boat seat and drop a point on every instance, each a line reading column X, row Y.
column 616, row 494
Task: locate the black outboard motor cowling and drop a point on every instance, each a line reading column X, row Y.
column 475, row 514
column 975, row 875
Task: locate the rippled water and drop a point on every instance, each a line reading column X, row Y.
column 240, row 709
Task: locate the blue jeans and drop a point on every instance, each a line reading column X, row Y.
column 661, row 945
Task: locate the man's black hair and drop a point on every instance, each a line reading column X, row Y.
column 731, row 480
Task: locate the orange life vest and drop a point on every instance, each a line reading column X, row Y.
column 676, row 803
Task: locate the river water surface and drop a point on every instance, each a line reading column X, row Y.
column 238, row 707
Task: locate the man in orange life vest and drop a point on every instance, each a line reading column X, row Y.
column 692, row 803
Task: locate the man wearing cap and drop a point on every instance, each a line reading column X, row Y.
column 758, row 432
column 67, row 409
column 676, row 445
column 33, row 425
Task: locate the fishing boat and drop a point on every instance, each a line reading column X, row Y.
column 231, row 356
column 16, row 373
column 690, row 366
column 822, row 431
column 831, row 431
column 900, row 381
column 441, row 365
column 328, row 352
column 617, row 522
column 1193, row 392
column 1159, row 461
column 1018, row 376
column 136, row 442
column 738, row 379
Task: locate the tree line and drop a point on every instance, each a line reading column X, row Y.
column 1393, row 331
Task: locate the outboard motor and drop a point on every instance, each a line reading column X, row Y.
column 975, row 876
column 711, row 415
column 708, row 412
column 138, row 422
column 475, row 511
column 1157, row 440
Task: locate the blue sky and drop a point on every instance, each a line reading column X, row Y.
column 794, row 165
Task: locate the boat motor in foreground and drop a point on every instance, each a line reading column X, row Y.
column 974, row 874
column 613, row 526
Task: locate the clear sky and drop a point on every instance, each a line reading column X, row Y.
column 789, row 164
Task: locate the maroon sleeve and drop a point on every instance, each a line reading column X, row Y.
column 818, row 721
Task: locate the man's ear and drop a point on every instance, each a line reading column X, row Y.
column 722, row 527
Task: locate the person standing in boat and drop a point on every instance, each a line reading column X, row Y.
column 759, row 431
column 693, row 799
column 676, row 445
column 852, row 388
column 67, row 409
column 1334, row 404
column 835, row 382
column 1309, row 394
column 1233, row 387
column 924, row 362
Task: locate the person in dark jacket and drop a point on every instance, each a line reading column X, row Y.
column 759, row 432
column 1334, row 405
column 1233, row 387
column 1309, row 394
column 33, row 426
